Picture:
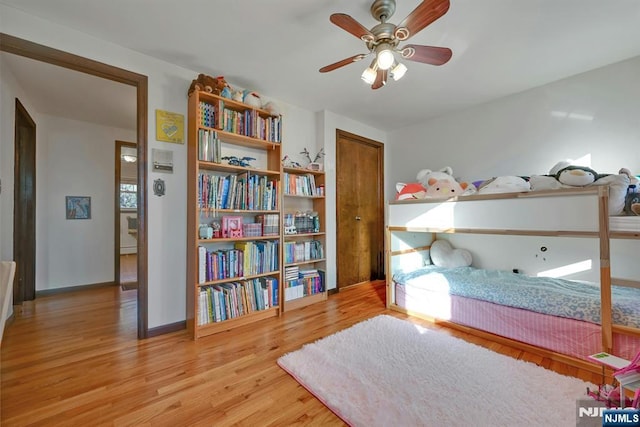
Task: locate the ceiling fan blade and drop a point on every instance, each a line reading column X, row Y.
column 426, row 54
column 352, row 26
column 381, row 79
column 423, row 15
column 342, row 63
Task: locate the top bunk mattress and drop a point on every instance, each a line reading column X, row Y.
column 553, row 296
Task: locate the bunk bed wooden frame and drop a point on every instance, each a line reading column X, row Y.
column 476, row 214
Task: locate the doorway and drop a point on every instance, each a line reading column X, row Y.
column 24, row 207
column 359, row 209
column 17, row 46
column 126, row 215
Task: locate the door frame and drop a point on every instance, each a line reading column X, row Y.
column 21, row 47
column 378, row 187
column 24, row 290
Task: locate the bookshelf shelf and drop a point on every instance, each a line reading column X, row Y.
column 303, row 235
column 235, row 279
column 217, row 327
column 309, row 261
column 305, row 301
column 212, row 211
column 302, row 196
column 303, row 207
column 220, row 167
column 303, row 171
column 238, row 239
column 229, row 207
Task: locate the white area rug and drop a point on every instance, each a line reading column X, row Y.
column 390, row 372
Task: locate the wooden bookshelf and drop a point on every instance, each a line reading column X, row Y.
column 222, row 293
column 303, row 193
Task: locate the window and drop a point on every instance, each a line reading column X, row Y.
column 128, row 195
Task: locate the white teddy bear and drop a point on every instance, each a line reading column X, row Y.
column 425, row 175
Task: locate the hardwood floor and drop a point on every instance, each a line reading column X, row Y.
column 129, row 271
column 73, row 359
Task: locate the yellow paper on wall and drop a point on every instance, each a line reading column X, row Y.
column 169, row 127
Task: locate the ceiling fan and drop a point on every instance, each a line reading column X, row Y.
column 384, row 39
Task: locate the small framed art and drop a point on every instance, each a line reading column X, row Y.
column 78, row 207
column 231, row 226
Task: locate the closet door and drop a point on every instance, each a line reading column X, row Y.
column 360, row 209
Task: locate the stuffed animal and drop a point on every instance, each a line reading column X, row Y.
column 226, row 92
column 577, row 176
column 445, row 188
column 209, row 84
column 425, row 175
column 272, row 108
column 237, row 95
column 412, row 190
column 252, row 99
column 504, row 184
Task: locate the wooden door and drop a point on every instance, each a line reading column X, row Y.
column 24, row 199
column 359, row 209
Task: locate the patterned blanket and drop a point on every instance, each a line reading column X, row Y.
column 557, row 297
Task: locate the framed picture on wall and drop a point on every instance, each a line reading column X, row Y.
column 78, row 207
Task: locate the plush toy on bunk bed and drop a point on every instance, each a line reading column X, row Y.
column 565, row 174
column 442, row 183
column 504, row 184
column 410, row 191
column 632, row 201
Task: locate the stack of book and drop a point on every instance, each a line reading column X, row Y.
column 270, row 224
column 209, row 146
column 217, row 303
column 303, row 251
column 308, row 282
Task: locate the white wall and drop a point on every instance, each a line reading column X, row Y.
column 523, row 134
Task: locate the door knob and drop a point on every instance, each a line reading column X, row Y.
column 357, row 218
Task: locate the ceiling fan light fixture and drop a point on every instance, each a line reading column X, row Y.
column 369, row 75
column 398, row 71
column 385, row 58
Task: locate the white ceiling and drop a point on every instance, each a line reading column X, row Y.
column 276, row 47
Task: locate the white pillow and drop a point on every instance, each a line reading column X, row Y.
column 443, row 255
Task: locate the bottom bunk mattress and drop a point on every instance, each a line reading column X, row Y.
column 558, row 315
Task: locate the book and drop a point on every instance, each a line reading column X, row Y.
column 609, row 360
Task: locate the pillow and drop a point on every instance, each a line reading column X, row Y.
column 444, row 255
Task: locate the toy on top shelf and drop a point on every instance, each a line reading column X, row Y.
column 313, row 164
column 288, row 163
column 209, row 84
column 235, row 161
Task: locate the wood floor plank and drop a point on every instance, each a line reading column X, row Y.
column 73, row 359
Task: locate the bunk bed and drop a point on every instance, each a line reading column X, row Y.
column 615, row 327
